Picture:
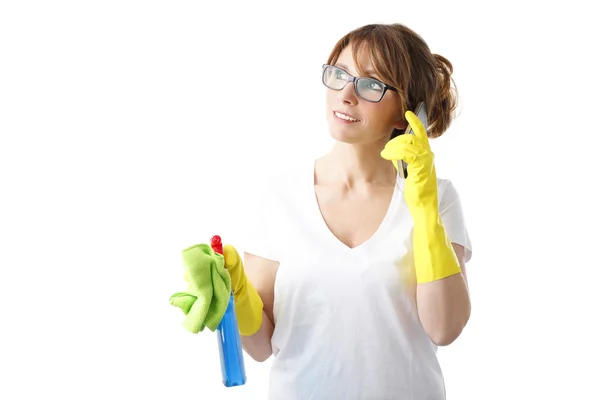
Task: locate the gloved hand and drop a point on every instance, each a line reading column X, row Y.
column 433, row 253
column 248, row 304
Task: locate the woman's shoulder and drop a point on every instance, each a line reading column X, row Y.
column 447, row 191
column 445, row 184
column 289, row 178
column 279, row 188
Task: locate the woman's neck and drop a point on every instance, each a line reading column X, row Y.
column 354, row 165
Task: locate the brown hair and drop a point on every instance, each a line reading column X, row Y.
column 403, row 60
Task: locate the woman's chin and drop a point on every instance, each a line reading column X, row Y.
column 346, row 139
column 344, row 136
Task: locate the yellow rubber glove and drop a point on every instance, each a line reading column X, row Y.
column 248, row 304
column 434, row 256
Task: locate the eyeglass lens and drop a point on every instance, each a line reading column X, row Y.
column 368, row 88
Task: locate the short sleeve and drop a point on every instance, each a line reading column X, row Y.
column 259, row 228
column 453, row 218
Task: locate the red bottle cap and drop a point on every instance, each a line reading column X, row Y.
column 216, row 244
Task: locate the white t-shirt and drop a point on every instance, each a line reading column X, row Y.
column 346, row 323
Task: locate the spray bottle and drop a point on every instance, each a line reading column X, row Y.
column 233, row 370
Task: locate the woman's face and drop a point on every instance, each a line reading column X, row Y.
column 355, row 120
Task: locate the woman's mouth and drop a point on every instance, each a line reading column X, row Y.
column 345, row 117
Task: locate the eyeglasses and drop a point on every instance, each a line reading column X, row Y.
column 369, row 89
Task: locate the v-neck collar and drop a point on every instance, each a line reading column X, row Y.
column 373, row 239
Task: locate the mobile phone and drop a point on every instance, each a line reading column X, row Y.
column 421, row 113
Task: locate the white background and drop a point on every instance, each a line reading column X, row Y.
column 132, row 129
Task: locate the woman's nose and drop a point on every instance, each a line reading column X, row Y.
column 348, row 94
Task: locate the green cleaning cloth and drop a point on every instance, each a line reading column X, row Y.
column 209, row 287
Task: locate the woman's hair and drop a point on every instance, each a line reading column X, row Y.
column 403, row 60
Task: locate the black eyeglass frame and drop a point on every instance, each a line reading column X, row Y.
column 352, row 78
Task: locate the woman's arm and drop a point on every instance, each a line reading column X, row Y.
column 258, row 346
column 444, row 305
column 261, row 273
column 442, row 295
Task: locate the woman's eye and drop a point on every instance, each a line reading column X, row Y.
column 372, row 85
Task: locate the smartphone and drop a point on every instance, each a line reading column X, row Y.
column 421, row 113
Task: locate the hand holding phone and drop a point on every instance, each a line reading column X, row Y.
column 421, row 113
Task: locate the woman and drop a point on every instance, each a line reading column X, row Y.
column 355, row 274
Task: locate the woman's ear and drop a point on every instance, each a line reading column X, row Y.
column 401, row 124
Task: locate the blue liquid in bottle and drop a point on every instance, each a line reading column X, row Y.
column 233, row 370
